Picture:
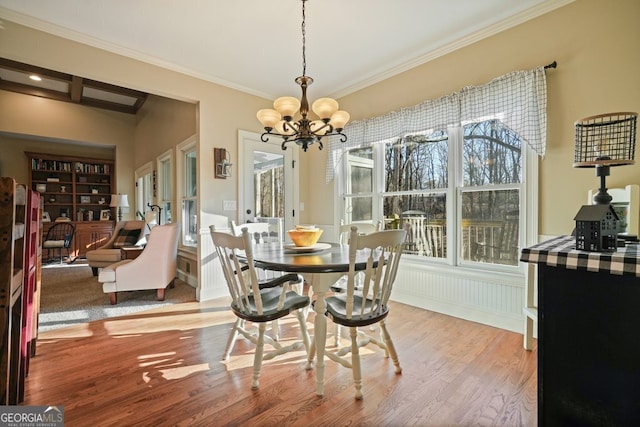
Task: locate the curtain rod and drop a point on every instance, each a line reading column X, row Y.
column 554, row 64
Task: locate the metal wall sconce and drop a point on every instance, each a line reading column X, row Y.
column 222, row 163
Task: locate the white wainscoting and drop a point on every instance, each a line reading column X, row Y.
column 211, row 281
column 489, row 298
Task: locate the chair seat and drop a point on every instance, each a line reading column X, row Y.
column 51, row 244
column 270, row 299
column 337, row 311
column 104, row 255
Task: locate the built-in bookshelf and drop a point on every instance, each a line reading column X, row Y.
column 77, row 188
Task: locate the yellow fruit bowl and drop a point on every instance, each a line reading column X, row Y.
column 301, row 237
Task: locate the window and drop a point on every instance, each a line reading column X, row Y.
column 165, row 187
column 466, row 190
column 450, row 190
column 187, row 174
column 490, row 192
column 143, row 189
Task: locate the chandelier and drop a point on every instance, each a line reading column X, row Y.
column 303, row 131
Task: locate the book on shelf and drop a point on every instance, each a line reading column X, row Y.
column 51, row 179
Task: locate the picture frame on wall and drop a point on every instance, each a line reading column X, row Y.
column 46, row 217
column 105, row 215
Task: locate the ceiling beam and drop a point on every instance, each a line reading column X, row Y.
column 75, row 89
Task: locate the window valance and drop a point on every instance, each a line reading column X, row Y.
column 518, row 99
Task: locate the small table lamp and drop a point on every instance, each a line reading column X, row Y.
column 119, row 201
column 603, row 141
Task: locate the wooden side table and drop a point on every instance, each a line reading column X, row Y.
column 131, row 252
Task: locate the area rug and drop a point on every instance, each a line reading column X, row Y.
column 71, row 295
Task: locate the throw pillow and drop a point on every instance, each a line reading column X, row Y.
column 126, row 238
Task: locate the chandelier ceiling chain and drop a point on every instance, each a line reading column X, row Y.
column 303, row 26
column 279, row 122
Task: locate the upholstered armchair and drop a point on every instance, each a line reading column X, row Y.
column 154, row 268
column 127, row 233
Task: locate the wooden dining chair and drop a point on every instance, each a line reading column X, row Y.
column 340, row 285
column 369, row 306
column 260, row 232
column 255, row 301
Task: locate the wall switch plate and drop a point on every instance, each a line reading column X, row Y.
column 229, row 205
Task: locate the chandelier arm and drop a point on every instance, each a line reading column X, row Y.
column 265, row 136
column 291, row 125
column 326, row 133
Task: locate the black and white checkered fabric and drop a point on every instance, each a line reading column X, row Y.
column 518, row 99
column 561, row 252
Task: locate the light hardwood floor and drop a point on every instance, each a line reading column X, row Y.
column 163, row 367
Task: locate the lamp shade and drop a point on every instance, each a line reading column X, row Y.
column 151, row 218
column 268, row 117
column 325, row 107
column 339, row 119
column 605, row 140
column 286, row 106
column 119, row 201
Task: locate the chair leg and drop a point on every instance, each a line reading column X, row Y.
column 390, row 347
column 355, row 363
column 94, row 270
column 231, row 341
column 303, row 330
column 113, row 299
column 257, row 360
column 337, row 335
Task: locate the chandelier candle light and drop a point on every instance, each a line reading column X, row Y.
column 303, row 131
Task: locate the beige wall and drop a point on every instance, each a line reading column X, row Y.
column 162, row 123
column 596, row 46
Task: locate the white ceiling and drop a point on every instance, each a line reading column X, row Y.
column 256, row 45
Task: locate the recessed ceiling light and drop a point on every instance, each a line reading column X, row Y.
column 35, row 77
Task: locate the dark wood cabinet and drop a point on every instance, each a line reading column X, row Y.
column 89, row 235
column 588, row 347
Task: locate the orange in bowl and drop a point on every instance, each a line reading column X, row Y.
column 305, row 237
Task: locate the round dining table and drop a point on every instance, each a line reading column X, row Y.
column 325, row 263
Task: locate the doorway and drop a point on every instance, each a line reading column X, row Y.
column 267, row 182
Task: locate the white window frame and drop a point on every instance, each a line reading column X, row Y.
column 164, row 196
column 144, row 191
column 182, row 149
